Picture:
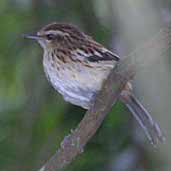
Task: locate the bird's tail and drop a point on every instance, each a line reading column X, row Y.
column 150, row 127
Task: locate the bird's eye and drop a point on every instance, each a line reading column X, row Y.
column 50, row 36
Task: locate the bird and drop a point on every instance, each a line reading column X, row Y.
column 76, row 66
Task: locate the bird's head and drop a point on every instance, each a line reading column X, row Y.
column 56, row 35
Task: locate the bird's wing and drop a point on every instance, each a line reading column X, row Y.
column 99, row 52
column 96, row 54
column 103, row 55
column 91, row 51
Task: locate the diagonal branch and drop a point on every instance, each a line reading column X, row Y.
column 74, row 143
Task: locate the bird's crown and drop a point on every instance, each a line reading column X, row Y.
column 58, row 30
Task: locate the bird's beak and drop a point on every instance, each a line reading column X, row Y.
column 32, row 36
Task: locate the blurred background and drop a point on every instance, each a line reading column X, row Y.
column 34, row 118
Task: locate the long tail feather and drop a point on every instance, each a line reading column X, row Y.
column 150, row 127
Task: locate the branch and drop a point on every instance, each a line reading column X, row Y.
column 74, row 143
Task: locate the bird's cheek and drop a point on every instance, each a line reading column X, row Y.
column 42, row 43
column 51, row 44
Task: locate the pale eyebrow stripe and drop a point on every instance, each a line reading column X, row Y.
column 57, row 32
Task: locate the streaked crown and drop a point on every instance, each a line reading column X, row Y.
column 61, row 29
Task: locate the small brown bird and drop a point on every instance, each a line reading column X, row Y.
column 77, row 66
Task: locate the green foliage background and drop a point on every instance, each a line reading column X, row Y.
column 33, row 117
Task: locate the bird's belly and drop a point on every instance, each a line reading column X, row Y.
column 78, row 85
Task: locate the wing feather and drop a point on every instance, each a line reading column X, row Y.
column 103, row 56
